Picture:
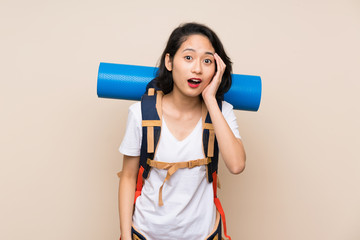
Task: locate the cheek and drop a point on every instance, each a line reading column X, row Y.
column 210, row 73
column 179, row 68
column 175, row 70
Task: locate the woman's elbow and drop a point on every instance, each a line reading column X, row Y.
column 238, row 168
column 239, row 165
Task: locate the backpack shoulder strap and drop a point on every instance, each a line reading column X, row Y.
column 151, row 129
column 210, row 145
column 151, row 126
column 211, row 150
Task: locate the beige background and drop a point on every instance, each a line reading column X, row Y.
column 59, row 141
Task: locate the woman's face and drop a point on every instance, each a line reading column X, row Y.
column 193, row 65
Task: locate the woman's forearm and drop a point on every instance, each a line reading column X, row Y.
column 126, row 195
column 231, row 148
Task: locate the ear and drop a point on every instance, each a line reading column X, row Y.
column 168, row 62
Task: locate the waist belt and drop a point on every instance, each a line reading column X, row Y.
column 173, row 167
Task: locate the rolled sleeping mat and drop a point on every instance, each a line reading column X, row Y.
column 121, row 81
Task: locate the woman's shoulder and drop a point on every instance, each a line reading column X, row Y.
column 135, row 107
column 135, row 110
column 226, row 107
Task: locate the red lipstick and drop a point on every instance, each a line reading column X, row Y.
column 194, row 82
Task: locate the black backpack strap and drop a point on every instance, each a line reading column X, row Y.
column 210, row 145
column 152, row 84
column 151, row 127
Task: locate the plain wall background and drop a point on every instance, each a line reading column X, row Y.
column 59, row 142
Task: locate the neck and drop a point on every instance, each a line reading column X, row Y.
column 183, row 103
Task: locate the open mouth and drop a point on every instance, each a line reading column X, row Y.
column 194, row 82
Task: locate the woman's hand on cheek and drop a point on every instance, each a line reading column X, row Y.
column 210, row 91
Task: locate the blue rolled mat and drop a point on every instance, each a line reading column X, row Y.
column 129, row 82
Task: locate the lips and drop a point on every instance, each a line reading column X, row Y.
column 194, row 82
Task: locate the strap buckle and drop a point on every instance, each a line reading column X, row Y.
column 192, row 164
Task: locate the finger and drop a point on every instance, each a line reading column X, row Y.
column 219, row 66
column 222, row 64
column 220, row 59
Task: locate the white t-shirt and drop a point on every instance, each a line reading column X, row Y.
column 188, row 211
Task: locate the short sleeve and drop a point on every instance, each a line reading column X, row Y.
column 228, row 113
column 131, row 143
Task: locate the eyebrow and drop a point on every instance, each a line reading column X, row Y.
column 193, row 50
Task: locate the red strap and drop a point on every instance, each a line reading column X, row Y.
column 218, row 204
column 214, row 177
column 222, row 213
column 139, row 183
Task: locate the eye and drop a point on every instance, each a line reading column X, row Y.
column 188, row 58
column 207, row 61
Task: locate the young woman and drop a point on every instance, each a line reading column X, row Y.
column 194, row 73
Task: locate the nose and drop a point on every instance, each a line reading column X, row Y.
column 197, row 68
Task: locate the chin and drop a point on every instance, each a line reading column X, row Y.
column 194, row 93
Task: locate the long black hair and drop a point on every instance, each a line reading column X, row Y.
column 164, row 79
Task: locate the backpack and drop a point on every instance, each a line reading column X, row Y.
column 151, row 131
